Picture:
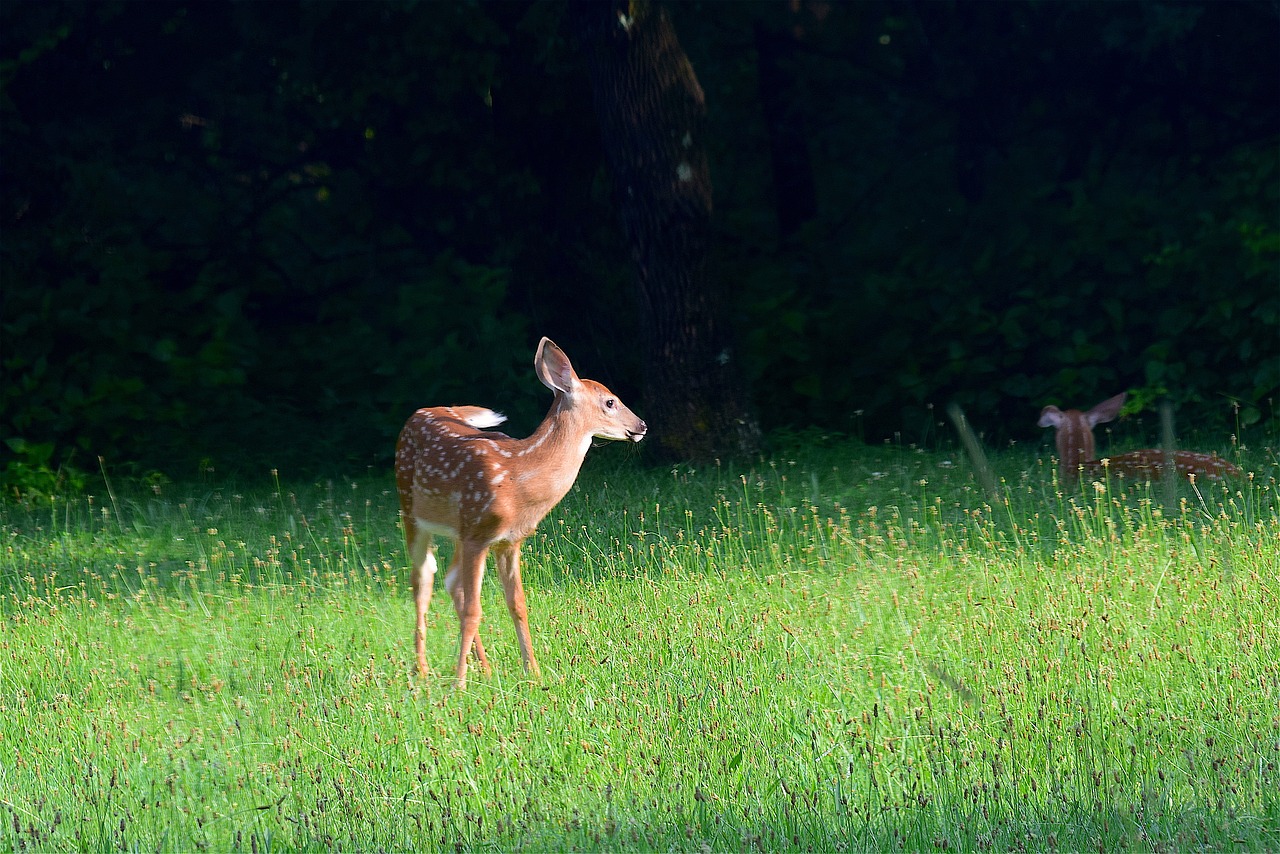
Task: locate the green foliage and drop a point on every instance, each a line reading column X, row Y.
column 31, row 476
column 1087, row 250
column 265, row 233
column 261, row 281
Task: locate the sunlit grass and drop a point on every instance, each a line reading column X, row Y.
column 846, row 649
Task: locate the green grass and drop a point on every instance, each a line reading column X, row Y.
column 846, row 649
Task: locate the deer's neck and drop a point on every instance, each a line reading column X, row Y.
column 547, row 463
column 1075, row 441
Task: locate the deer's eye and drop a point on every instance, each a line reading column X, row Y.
column 609, row 404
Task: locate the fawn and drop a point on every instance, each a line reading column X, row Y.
column 485, row 490
column 1074, row 440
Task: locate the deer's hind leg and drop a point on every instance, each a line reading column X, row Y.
column 466, row 574
column 422, row 557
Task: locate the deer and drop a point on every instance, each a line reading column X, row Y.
column 1074, row 440
column 458, row 478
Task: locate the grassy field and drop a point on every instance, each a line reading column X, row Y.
column 848, row 648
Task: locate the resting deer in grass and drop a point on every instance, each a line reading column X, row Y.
column 486, row 490
column 1074, row 440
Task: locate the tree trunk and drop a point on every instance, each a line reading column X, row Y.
column 652, row 119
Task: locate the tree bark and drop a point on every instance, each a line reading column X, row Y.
column 652, row 118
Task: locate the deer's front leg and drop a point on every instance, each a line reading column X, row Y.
column 457, row 594
column 507, row 556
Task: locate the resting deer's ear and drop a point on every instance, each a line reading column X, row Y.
column 553, row 367
column 1050, row 416
column 1105, row 411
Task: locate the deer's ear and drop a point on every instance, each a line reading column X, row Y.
column 1050, row 416
column 553, row 367
column 1105, row 411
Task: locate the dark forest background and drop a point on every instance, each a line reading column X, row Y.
column 264, row 233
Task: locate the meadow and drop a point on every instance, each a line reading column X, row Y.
column 837, row 648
